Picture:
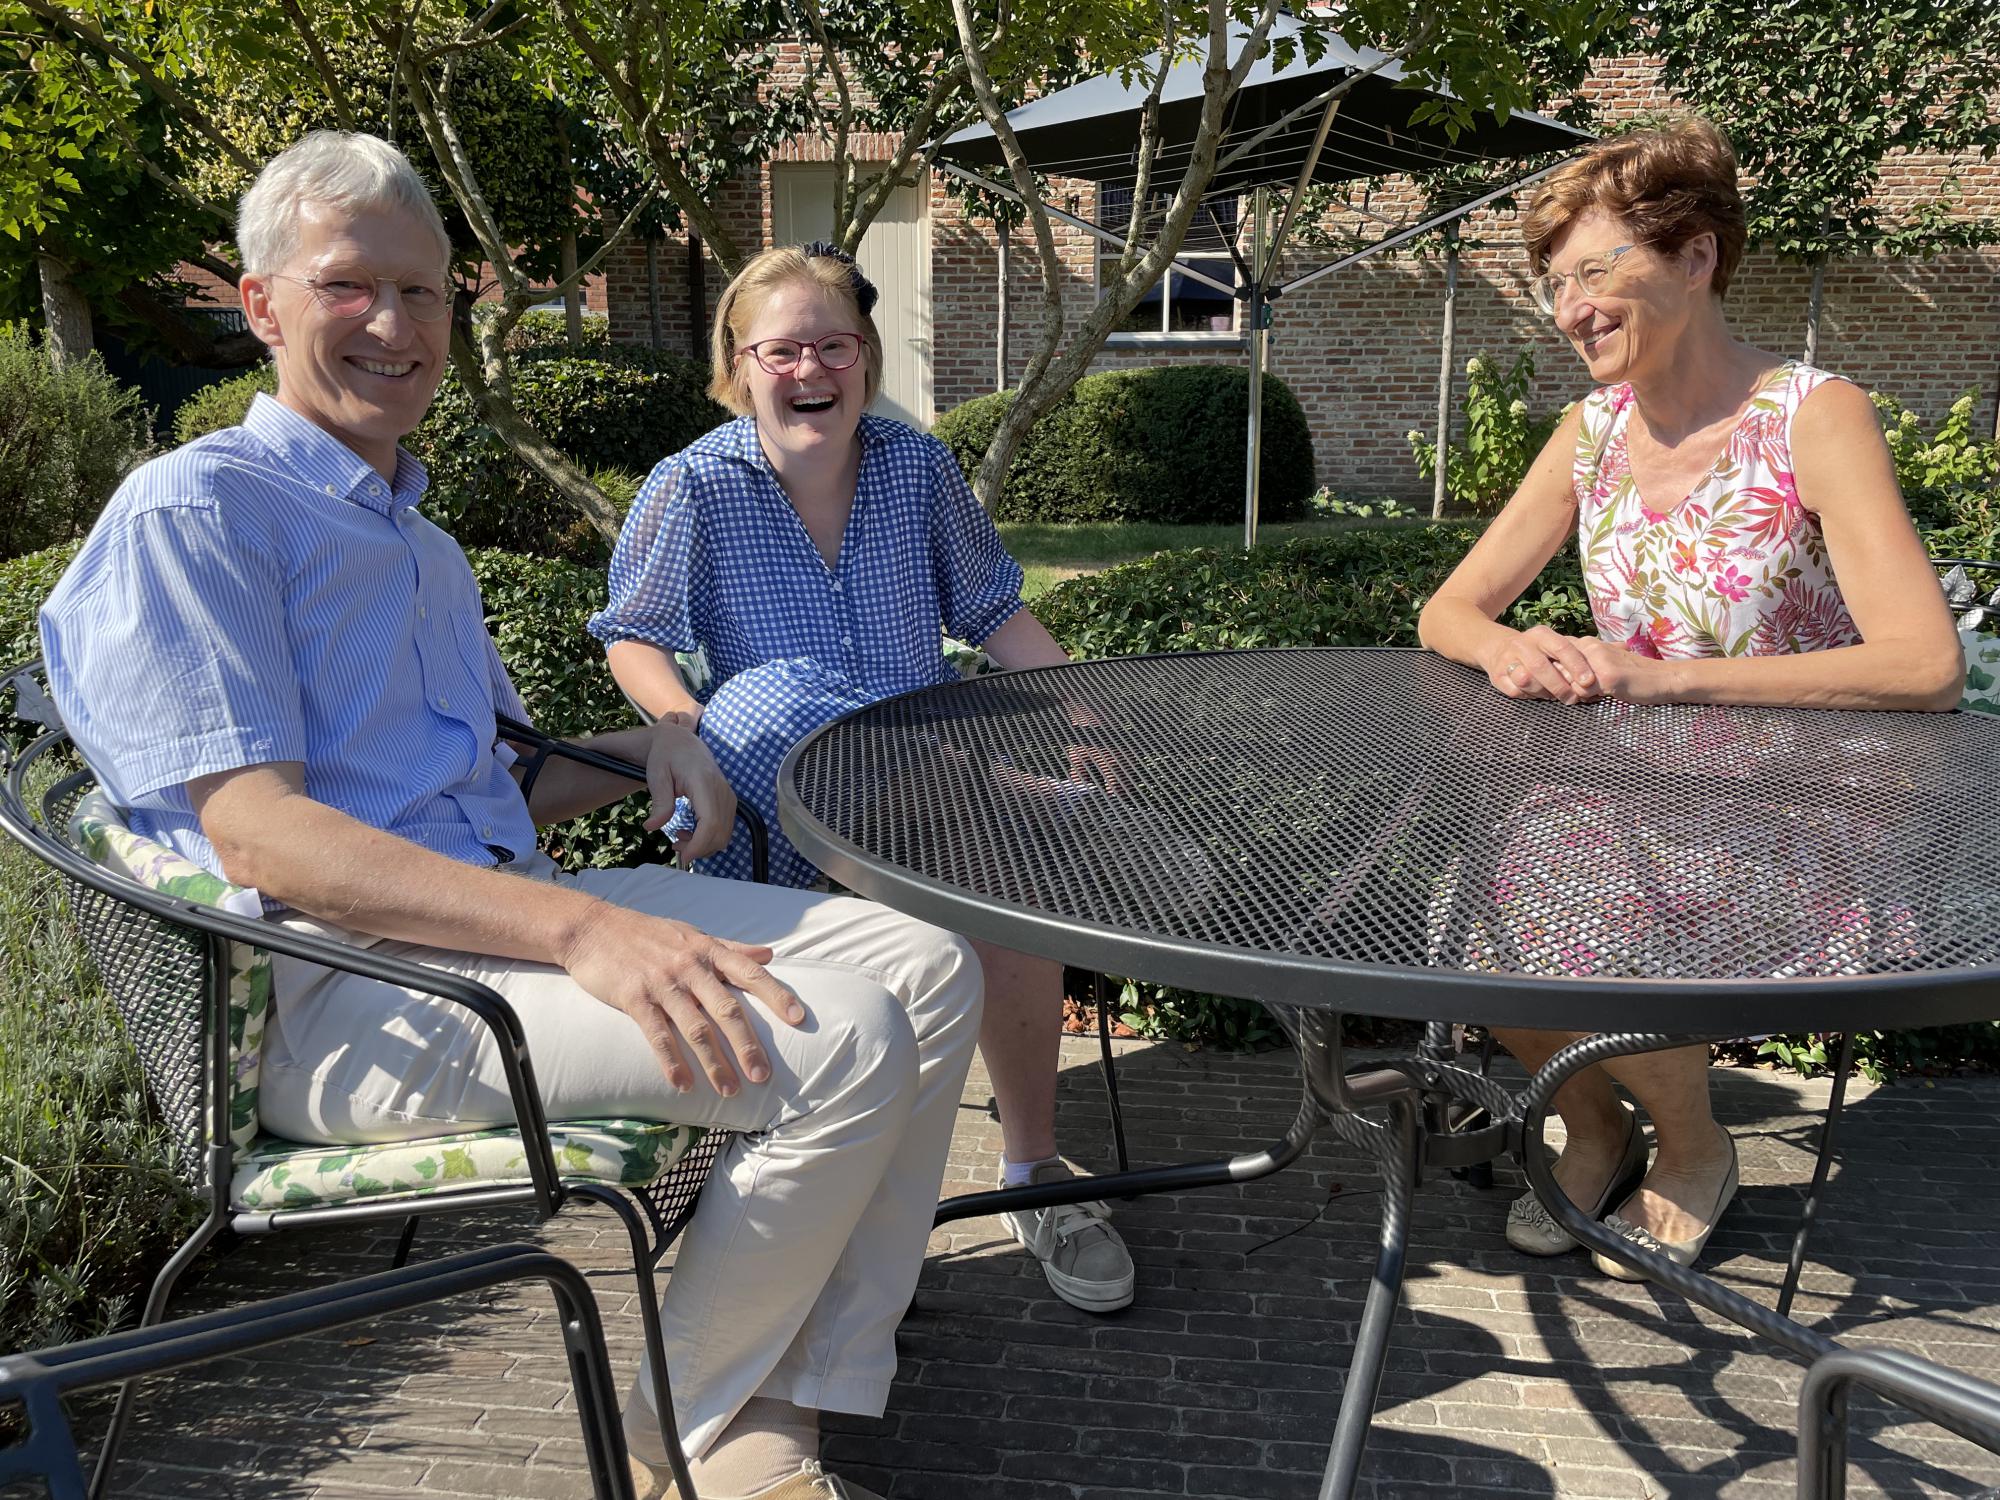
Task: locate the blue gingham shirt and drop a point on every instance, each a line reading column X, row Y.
column 714, row 558
column 262, row 595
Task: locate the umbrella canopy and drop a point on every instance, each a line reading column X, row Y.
column 1091, row 130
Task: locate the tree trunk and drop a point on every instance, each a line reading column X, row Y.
column 1814, row 301
column 573, row 297
column 65, row 314
column 528, row 445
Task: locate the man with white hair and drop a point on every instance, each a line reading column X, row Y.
column 282, row 670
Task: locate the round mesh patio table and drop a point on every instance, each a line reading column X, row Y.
column 1378, row 831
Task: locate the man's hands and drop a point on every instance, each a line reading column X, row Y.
column 680, row 986
column 1542, row 663
column 679, row 765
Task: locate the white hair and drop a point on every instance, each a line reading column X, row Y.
column 337, row 168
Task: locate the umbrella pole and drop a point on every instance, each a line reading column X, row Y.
column 1445, row 363
column 1251, row 476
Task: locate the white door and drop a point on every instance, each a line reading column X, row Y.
column 895, row 254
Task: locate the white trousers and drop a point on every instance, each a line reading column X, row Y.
column 794, row 1273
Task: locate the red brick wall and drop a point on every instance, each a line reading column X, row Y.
column 1361, row 348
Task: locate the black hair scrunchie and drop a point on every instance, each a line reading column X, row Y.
column 865, row 294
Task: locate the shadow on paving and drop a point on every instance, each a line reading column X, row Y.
column 1507, row 1376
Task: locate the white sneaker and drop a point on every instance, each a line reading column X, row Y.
column 1083, row 1257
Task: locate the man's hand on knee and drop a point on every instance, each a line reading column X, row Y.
column 684, row 990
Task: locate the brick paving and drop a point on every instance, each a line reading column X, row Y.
column 1508, row 1377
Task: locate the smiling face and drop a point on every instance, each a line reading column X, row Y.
column 366, row 380
column 813, row 412
column 1630, row 327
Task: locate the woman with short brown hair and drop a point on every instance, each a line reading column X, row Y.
column 1742, row 541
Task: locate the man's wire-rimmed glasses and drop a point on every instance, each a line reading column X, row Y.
column 352, row 291
column 834, row 351
column 1591, row 275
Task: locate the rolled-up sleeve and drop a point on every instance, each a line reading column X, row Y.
column 978, row 582
column 653, row 567
column 168, row 654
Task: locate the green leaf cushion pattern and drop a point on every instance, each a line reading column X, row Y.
column 98, row 827
column 276, row 1173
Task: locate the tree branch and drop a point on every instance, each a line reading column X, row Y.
column 336, row 92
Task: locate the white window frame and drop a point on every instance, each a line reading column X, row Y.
column 1165, row 336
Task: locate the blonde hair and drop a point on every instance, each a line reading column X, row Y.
column 1666, row 184
column 834, row 278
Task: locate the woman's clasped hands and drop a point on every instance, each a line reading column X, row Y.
column 1540, row 662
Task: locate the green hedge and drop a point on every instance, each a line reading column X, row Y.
column 615, row 414
column 1163, row 444
column 66, row 438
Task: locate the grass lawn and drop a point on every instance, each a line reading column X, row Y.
column 1050, row 553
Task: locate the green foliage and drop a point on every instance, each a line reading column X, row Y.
column 1951, row 477
column 1816, row 95
column 1501, row 440
column 617, row 415
column 88, row 1203
column 1162, row 444
column 1323, row 503
column 623, row 414
column 1362, row 587
column 223, row 404
column 535, row 609
column 67, row 436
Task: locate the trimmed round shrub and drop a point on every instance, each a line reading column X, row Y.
column 1164, row 444
column 67, row 437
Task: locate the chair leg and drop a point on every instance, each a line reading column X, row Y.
column 154, row 1312
column 1841, row 1069
column 403, row 1243
column 643, row 1260
column 1102, row 987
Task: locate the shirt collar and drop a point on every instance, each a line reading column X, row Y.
column 326, row 464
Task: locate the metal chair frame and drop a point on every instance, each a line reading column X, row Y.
column 196, row 1109
column 1916, row 1383
column 39, row 1380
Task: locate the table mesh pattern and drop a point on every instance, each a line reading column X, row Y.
column 155, row 972
column 1389, row 808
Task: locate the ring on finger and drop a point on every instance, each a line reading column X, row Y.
column 1513, row 669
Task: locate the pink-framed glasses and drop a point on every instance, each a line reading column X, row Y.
column 834, row 351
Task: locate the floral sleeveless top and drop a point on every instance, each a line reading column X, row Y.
column 1738, row 568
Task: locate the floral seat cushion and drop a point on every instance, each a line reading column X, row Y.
column 1982, row 672
column 276, row 1173
column 98, row 827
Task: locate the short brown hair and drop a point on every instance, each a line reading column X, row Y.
column 755, row 284
column 1667, row 184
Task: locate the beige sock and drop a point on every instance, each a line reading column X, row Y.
column 764, row 1444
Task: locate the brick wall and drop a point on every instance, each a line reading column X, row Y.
column 1361, row 348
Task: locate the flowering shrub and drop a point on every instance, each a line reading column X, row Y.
column 1500, row 441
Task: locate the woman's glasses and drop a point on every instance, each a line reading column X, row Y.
column 834, row 351
column 351, row 291
column 1592, row 274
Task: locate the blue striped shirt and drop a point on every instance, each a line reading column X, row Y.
column 261, row 595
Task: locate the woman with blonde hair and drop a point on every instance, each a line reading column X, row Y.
column 1742, row 540
column 814, row 555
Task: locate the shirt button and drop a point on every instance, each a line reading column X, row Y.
column 444, row 702
column 331, row 490
column 847, row 640
column 487, row 831
column 422, row 613
column 836, row 585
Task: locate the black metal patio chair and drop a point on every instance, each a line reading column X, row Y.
column 1923, row 1387
column 38, row 1381
column 191, row 980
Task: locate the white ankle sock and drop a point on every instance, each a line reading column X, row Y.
column 764, row 1444
column 1021, row 1173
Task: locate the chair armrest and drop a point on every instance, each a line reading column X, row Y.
column 542, row 746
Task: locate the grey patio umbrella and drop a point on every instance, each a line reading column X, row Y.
column 1282, row 130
